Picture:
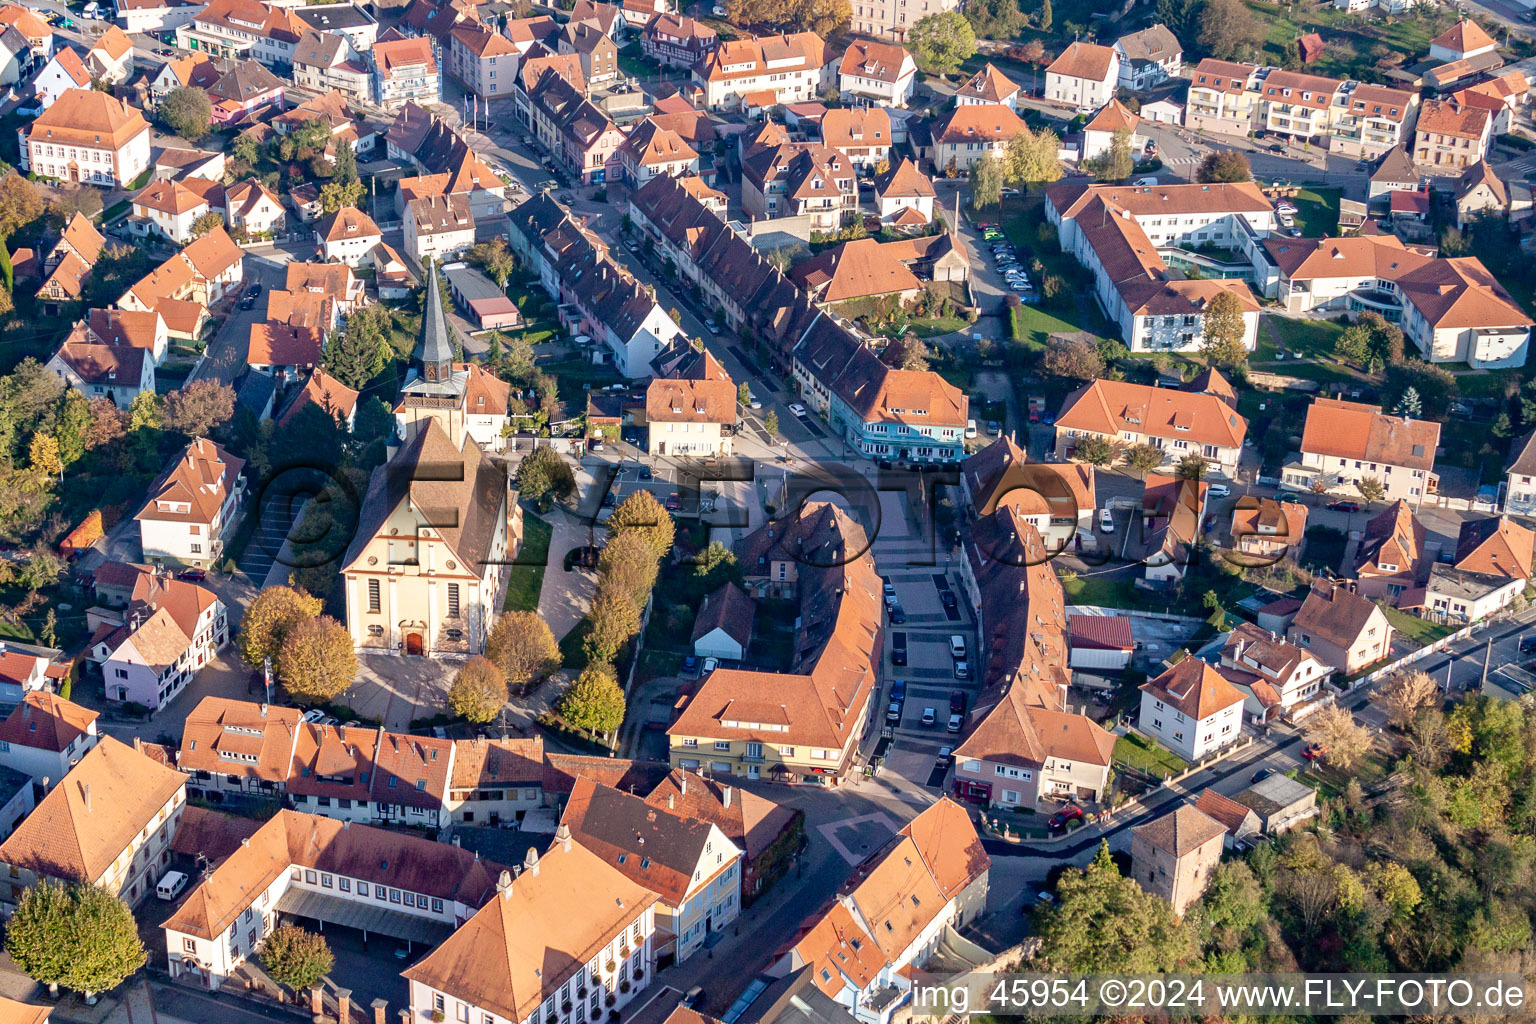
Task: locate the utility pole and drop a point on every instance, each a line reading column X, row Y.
column 1487, row 654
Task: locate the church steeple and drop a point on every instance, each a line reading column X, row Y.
column 434, row 349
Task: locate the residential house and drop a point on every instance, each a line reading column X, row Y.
column 235, row 747
column 1452, row 136
column 190, row 163
column 15, row 55
column 400, row 596
column 108, row 823
column 1268, row 530
column 1239, row 821
column 1223, row 97
column 64, row 71
column 150, row 651
column 691, row 867
column 1345, row 442
column 196, row 71
column 1178, row 422
column 110, row 58
column 851, row 271
column 45, row 735
column 969, row 132
column 819, row 712
column 1492, row 569
column 283, row 350
column 1020, row 747
column 694, row 415
column 767, row 832
column 217, row 265
column 192, row 504
column 405, row 71
column 1084, row 77
column 1374, row 120
column 1274, row 676
column 904, row 195
column 1299, row 105
column 252, row 210
column 347, row 236
column 676, row 40
column 650, row 149
column 780, row 178
column 99, row 370
column 326, row 61
column 1341, row 628
column 496, row 781
column 789, row 68
column 1520, row 477
column 326, row 393
column 1172, row 510
column 901, row 910
column 575, row 130
column 87, row 137
column 1149, row 58
column 989, row 86
column 1279, row 802
column 172, row 209
column 68, row 262
column 1175, row 856
column 483, row 61
column 36, row 31
column 723, row 628
column 1502, row 96
column 1462, row 41
column 876, row 73
column 1390, row 558
column 438, row 228
column 413, row 889
column 1479, row 192
column 1056, row 498
column 155, row 16
column 1106, row 125
column 1117, row 233
column 540, row 934
column 348, row 20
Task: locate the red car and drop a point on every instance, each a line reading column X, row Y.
column 1344, row 506
column 1071, row 812
column 674, row 502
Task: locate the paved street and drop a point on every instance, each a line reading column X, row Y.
column 224, row 359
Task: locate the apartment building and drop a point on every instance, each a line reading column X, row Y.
column 1056, row 498
column 244, row 30
column 1223, row 97
column 693, row 415
column 438, row 227
column 108, row 823
column 780, row 178
column 405, row 71
column 1344, row 442
column 411, row 889
column 1178, row 422
column 1084, row 77
column 1450, row 135
column 1149, row 57
column 1191, row 709
column 790, row 68
column 891, row 19
column 1117, row 233
column 86, row 137
column 651, row 149
column 1372, row 120
column 482, row 61
column 596, row 49
column 1299, row 105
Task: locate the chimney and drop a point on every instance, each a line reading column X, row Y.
column 671, row 801
column 138, row 744
column 531, row 861
column 504, row 885
column 725, row 795
column 243, row 842
column 263, row 711
column 682, row 783
column 85, row 795
column 456, row 841
column 563, row 837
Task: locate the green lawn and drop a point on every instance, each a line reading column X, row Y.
column 1414, row 628
column 636, row 64
column 1300, row 338
column 1146, row 754
column 1355, row 41
column 525, row 578
column 1105, row 591
column 1317, row 212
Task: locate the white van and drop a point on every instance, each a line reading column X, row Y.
column 970, row 428
column 957, row 646
column 171, row 885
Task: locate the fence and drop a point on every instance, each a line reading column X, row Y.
column 1409, row 659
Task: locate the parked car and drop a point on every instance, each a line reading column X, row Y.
column 930, row 718
column 970, row 428
column 898, row 648
column 710, row 664
column 899, row 690
column 888, row 589
column 957, row 702
column 945, row 756
column 957, row 646
column 1262, row 774
column 690, row 664
column 1528, row 645
column 1071, row 812
column 645, row 472
column 898, row 615
column 255, row 291
column 313, row 716
column 962, row 669
column 192, row 575
column 1344, row 505
column 693, row 996
column 1218, row 491
column 797, row 409
column 1149, row 180
column 1289, row 496
column 610, row 500
column 1313, row 751
column 955, row 723
column 1106, row 521
column 994, row 428
column 893, row 712
column 247, row 303
column 947, row 598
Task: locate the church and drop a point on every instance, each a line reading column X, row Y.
column 425, row 573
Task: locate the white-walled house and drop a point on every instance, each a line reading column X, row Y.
column 347, row 236
column 46, row 735
column 170, row 630
column 64, row 71
column 1084, row 77
column 192, row 505
column 1273, row 674
column 1191, row 709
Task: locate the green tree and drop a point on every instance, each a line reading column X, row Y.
column 1371, row 489
column 316, row 660
column 1031, row 157
column 771, row 424
column 1106, row 922
column 744, row 394
column 247, row 148
column 1115, row 163
column 1353, row 345
column 1409, row 404
column 941, row 42
column 986, row 180
column 594, row 702
column 522, row 646
column 1233, row 907
column 43, row 455
column 267, row 621
column 1073, row 358
column 1143, row 458
column 358, row 353
column 144, row 413
column 479, row 691
column 336, row 195
column 207, row 222
column 1222, row 342
column 295, row 957
column 186, row 111
column 1192, row 467
column 1224, row 165
column 75, row 935
column 545, row 471
column 613, row 619
column 642, row 514
column 495, row 258
column 1047, row 16
column 345, row 171
column 1095, row 450
column 1435, row 385
column 74, row 427
column 716, row 563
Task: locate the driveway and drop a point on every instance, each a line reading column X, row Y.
column 225, row 358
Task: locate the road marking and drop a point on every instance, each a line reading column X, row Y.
column 829, row 830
